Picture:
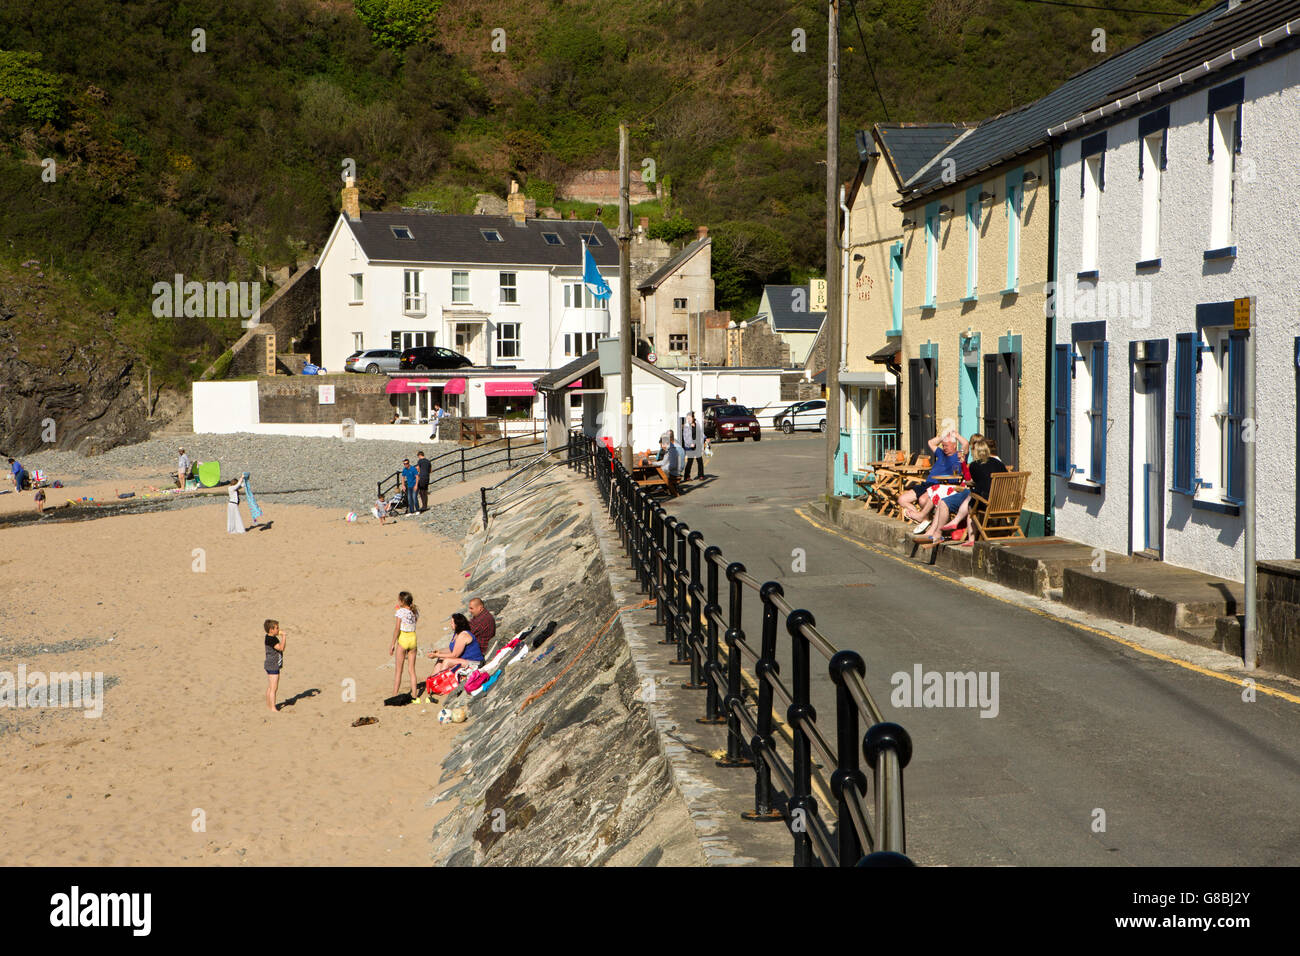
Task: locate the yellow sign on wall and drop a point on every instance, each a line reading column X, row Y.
column 818, row 289
column 1241, row 313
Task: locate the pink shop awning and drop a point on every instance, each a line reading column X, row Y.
column 399, row 386
column 509, row 389
column 455, row 387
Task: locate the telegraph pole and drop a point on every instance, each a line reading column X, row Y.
column 625, row 292
column 832, row 243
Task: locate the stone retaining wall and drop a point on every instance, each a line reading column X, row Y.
column 579, row 776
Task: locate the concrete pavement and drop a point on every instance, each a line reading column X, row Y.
column 1100, row 753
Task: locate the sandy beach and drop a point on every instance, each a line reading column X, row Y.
column 186, row 765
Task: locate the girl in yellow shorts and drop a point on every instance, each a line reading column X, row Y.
column 403, row 643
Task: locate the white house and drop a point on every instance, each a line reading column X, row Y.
column 1176, row 199
column 501, row 290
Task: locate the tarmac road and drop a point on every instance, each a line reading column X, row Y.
column 1095, row 753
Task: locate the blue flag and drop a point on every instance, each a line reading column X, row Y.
column 591, row 276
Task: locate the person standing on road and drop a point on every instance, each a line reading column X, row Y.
column 693, row 442
column 410, row 474
column 423, row 466
column 182, row 468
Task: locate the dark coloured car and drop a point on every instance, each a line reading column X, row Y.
column 422, row 358
column 724, row 422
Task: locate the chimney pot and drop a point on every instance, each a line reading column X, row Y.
column 701, row 232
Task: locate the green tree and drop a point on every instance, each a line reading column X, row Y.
column 398, row 24
column 36, row 92
column 745, row 256
column 670, row 230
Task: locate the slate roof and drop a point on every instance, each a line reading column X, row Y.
column 653, row 280
column 562, row 376
column 780, row 299
column 909, row 146
column 1004, row 137
column 1251, row 19
column 457, row 239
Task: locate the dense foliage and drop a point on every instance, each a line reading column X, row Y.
column 213, row 158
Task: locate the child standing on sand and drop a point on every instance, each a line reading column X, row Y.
column 274, row 660
column 407, row 615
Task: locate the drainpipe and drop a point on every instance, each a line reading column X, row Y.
column 844, row 290
column 1249, row 641
column 1053, row 216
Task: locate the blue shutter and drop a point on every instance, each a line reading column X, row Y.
column 1099, row 352
column 1184, row 413
column 1062, row 373
column 1236, row 479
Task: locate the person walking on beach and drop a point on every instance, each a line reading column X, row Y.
column 423, row 466
column 234, row 522
column 182, row 468
column 274, row 660
column 403, row 642
column 410, row 474
column 18, row 474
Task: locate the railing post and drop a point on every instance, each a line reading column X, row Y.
column 695, row 592
column 462, row 464
column 669, row 580
column 483, row 498
column 763, row 809
column 888, row 749
column 849, row 772
column 507, row 448
column 680, row 587
column 712, row 671
column 735, row 636
column 803, row 808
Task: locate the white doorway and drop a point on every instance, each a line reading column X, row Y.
column 469, row 339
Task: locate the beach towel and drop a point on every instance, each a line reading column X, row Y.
column 254, row 511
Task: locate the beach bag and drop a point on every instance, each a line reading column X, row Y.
column 443, row 682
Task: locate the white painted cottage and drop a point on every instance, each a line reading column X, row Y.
column 501, row 290
column 1179, row 197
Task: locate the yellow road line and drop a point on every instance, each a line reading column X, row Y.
column 1186, row 665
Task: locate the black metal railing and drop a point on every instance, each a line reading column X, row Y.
column 685, row 576
column 458, row 463
column 495, row 496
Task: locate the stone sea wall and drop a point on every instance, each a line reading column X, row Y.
column 578, row 776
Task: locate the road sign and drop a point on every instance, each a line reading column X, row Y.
column 1241, row 312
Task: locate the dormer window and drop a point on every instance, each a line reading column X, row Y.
column 401, row 232
column 590, row 239
column 552, row 238
column 491, row 235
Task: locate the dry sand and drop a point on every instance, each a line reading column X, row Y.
column 186, row 727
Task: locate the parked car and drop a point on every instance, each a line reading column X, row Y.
column 425, row 357
column 723, row 422
column 810, row 415
column 373, row 361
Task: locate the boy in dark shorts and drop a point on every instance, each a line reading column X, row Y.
column 274, row 661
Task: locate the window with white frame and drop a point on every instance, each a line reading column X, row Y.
column 358, row 288
column 460, row 288
column 1015, row 187
column 1153, row 148
column 413, row 292
column 1224, row 167
column 508, row 340
column 509, row 289
column 1209, row 408
column 679, row 304
column 972, row 241
column 1082, row 405
column 1093, row 158
column 568, row 344
column 677, row 343
column 931, row 254
column 358, row 342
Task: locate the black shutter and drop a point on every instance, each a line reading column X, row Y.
column 991, row 402
column 914, row 410
column 928, row 386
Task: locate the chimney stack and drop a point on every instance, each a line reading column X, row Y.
column 702, row 232
column 516, row 207
column 351, row 199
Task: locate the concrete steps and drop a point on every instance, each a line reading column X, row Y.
column 1159, row 597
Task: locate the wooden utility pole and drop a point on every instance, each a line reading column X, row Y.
column 832, row 244
column 627, row 345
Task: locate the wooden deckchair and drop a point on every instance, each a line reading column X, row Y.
column 998, row 516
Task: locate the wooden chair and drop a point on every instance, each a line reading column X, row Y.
column 998, row 516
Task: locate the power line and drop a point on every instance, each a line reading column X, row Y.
column 870, row 66
column 1090, row 6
